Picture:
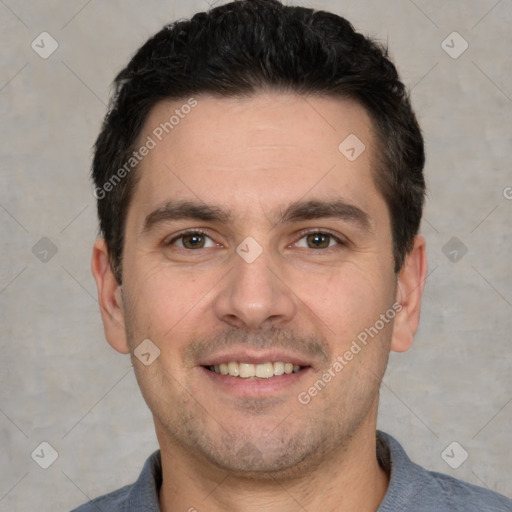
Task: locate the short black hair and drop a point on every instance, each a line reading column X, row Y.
column 249, row 46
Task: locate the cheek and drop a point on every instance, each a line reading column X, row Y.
column 349, row 300
column 166, row 303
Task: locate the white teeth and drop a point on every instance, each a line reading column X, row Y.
column 248, row 370
column 233, row 369
column 278, row 368
column 265, row 370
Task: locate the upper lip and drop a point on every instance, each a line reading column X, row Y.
column 254, row 357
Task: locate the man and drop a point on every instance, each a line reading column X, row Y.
column 260, row 187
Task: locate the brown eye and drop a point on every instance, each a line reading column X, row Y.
column 192, row 240
column 318, row 240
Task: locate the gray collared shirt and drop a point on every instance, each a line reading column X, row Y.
column 411, row 488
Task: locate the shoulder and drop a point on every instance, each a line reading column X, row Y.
column 460, row 495
column 413, row 488
column 141, row 495
column 112, row 502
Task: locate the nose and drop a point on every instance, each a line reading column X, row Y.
column 254, row 295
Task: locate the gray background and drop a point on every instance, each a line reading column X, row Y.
column 60, row 381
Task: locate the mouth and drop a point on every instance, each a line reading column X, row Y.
column 267, row 370
column 246, row 373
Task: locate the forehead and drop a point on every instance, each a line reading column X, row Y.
column 266, row 149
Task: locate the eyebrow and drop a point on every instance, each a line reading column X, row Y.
column 316, row 209
column 176, row 210
column 295, row 212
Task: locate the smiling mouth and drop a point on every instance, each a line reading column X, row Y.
column 259, row 371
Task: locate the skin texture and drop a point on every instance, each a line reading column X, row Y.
column 228, row 448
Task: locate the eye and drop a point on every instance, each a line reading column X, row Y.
column 319, row 240
column 192, row 240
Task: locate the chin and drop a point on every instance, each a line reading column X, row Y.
column 258, row 457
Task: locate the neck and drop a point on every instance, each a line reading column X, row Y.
column 349, row 479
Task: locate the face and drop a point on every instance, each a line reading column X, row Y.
column 253, row 245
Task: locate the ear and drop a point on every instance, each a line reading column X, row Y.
column 109, row 298
column 411, row 281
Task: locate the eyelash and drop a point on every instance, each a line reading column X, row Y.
column 341, row 242
column 195, row 231
column 302, row 234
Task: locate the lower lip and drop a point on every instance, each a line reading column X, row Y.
column 254, row 387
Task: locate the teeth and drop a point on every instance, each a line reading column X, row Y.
column 265, row 370
column 233, row 369
column 278, row 368
column 248, row 370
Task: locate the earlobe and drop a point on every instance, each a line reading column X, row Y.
column 109, row 298
column 411, row 281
